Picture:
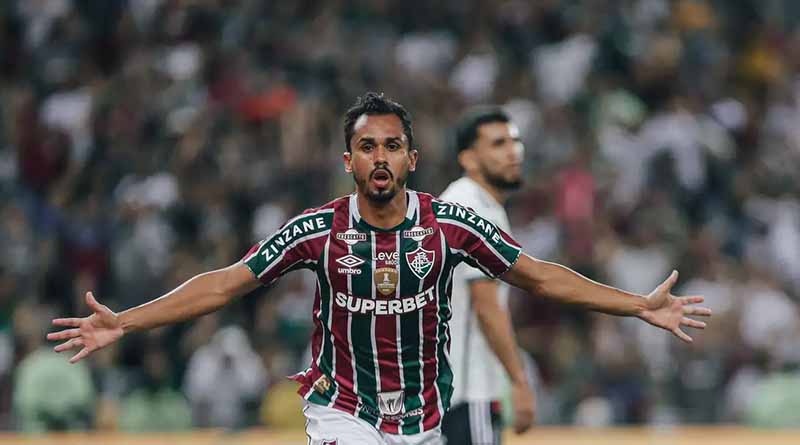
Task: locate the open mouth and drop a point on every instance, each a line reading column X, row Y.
column 381, row 178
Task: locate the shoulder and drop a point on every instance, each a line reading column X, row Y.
column 463, row 186
column 333, row 205
column 468, row 193
column 315, row 219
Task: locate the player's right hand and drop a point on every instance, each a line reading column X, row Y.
column 91, row 333
column 524, row 405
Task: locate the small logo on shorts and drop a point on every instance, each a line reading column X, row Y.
column 329, row 442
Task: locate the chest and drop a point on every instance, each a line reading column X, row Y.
column 385, row 265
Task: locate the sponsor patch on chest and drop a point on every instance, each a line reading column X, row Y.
column 417, row 233
column 386, row 280
column 351, row 236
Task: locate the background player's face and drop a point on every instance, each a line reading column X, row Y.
column 496, row 155
column 380, row 158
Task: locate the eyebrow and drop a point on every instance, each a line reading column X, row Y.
column 499, row 140
column 372, row 139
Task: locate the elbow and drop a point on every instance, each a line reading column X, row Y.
column 221, row 289
column 544, row 280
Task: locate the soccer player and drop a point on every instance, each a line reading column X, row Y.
column 490, row 153
column 384, row 257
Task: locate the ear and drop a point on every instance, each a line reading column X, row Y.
column 467, row 160
column 413, row 156
column 347, row 157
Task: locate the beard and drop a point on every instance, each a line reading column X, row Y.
column 501, row 182
column 381, row 196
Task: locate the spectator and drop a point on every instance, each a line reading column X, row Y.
column 223, row 379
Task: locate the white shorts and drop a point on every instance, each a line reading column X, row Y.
column 328, row 426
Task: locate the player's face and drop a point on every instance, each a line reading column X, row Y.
column 380, row 158
column 497, row 154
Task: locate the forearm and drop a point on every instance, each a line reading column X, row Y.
column 495, row 323
column 561, row 284
column 198, row 296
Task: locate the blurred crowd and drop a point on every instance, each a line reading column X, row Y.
column 145, row 141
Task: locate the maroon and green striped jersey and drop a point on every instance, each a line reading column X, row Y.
column 381, row 339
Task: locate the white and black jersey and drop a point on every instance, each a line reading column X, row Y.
column 478, row 374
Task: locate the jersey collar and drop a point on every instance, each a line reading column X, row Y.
column 412, row 211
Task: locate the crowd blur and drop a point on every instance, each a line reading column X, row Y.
column 145, row 141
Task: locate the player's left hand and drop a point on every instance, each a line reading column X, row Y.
column 670, row 312
column 524, row 404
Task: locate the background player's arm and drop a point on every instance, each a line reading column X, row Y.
column 495, row 324
column 564, row 285
column 198, row 296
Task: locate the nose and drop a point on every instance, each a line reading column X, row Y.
column 379, row 155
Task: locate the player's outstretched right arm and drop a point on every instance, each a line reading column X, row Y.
column 198, row 296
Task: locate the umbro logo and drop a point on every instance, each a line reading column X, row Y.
column 350, row 262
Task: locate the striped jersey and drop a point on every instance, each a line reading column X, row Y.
column 381, row 339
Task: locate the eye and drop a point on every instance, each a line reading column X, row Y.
column 367, row 147
column 393, row 146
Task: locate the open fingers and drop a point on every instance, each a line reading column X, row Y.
column 69, row 344
column 92, row 302
column 72, row 322
column 682, row 335
column 692, row 299
column 669, row 282
column 686, row 321
column 64, row 335
column 697, row 310
column 81, row 354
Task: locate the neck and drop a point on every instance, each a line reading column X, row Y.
column 500, row 196
column 384, row 215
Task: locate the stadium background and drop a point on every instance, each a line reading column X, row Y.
column 144, row 141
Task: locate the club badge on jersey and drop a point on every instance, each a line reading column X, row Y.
column 421, row 261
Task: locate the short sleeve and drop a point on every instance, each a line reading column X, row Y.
column 296, row 245
column 475, row 240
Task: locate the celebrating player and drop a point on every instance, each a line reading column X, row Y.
column 490, row 152
column 384, row 258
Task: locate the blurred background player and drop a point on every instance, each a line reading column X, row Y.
column 490, row 152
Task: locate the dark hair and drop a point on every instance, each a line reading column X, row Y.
column 467, row 128
column 372, row 104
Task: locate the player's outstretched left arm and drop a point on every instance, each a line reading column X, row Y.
column 659, row 308
column 198, row 296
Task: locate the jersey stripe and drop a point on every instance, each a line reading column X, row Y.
column 385, row 326
column 345, row 398
column 361, row 332
column 373, row 318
